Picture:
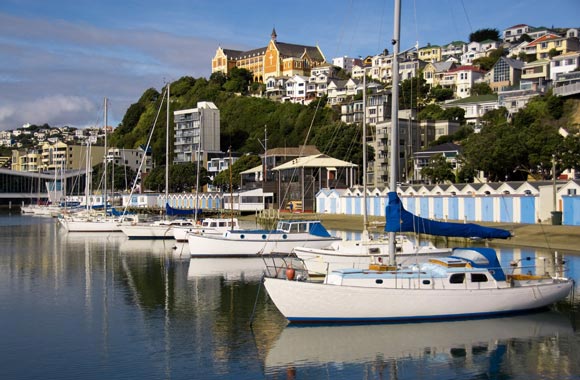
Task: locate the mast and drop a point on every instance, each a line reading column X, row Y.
column 167, row 151
column 231, row 189
column 197, row 168
column 364, row 150
column 106, row 161
column 394, row 118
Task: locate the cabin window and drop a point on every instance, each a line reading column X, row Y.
column 379, row 281
column 457, row 278
column 478, row 277
column 426, row 282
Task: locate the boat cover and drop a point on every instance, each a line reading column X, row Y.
column 317, row 229
column 180, row 211
column 400, row 220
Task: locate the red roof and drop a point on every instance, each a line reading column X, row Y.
column 545, row 37
column 467, row 68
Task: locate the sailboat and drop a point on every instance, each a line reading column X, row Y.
column 468, row 283
column 89, row 220
column 159, row 229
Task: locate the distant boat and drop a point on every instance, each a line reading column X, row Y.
column 215, row 226
column 159, row 229
column 94, row 218
column 282, row 240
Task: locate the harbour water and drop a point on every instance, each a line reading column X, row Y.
column 81, row 306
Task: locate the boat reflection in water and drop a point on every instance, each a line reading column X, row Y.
column 486, row 343
column 153, row 247
column 235, row 269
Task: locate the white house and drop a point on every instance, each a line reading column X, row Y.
column 565, row 63
column 513, row 33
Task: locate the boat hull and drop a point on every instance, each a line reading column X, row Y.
column 148, row 231
column 90, row 226
column 242, row 245
column 322, row 303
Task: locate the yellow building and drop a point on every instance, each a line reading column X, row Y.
column 275, row 60
column 547, row 42
column 57, row 156
column 430, row 53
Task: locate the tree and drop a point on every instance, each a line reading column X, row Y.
column 239, row 80
column 439, row 170
column 440, row 94
column 454, row 114
column 553, row 52
column 431, row 112
column 119, row 177
column 481, row 88
column 484, row 34
column 413, row 92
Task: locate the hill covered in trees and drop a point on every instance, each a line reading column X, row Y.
column 508, row 148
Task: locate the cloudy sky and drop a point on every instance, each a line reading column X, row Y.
column 60, row 58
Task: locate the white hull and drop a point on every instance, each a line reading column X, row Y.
column 240, row 245
column 87, row 225
column 210, row 226
column 359, row 254
column 148, row 231
column 316, row 302
column 180, row 233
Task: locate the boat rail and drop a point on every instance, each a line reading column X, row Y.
column 288, row 267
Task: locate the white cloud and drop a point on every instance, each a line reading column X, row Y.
column 55, row 110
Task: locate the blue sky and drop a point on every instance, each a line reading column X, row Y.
column 60, row 58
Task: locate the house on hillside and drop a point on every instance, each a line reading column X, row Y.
column 421, row 159
column 506, row 72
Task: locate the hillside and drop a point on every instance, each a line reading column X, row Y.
column 242, row 120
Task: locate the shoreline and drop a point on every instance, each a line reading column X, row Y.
column 546, row 236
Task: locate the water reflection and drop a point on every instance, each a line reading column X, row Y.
column 482, row 346
column 102, row 306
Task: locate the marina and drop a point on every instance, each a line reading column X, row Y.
column 93, row 306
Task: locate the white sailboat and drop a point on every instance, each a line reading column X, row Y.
column 287, row 235
column 159, row 229
column 215, row 226
column 91, row 220
column 469, row 283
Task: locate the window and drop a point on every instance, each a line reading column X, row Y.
column 478, row 277
column 457, row 278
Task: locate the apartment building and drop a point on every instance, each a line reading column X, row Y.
column 197, row 133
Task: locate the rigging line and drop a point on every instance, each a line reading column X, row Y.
column 139, row 170
column 466, row 16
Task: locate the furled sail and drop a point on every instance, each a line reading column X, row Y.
column 400, row 220
column 180, row 211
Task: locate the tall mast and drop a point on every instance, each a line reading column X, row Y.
column 364, row 150
column 167, row 151
column 231, row 188
column 198, row 159
column 394, row 118
column 106, row 160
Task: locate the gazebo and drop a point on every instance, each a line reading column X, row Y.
column 301, row 178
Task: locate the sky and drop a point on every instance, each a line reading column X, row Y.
column 60, row 58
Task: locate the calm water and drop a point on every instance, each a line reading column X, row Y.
column 76, row 306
